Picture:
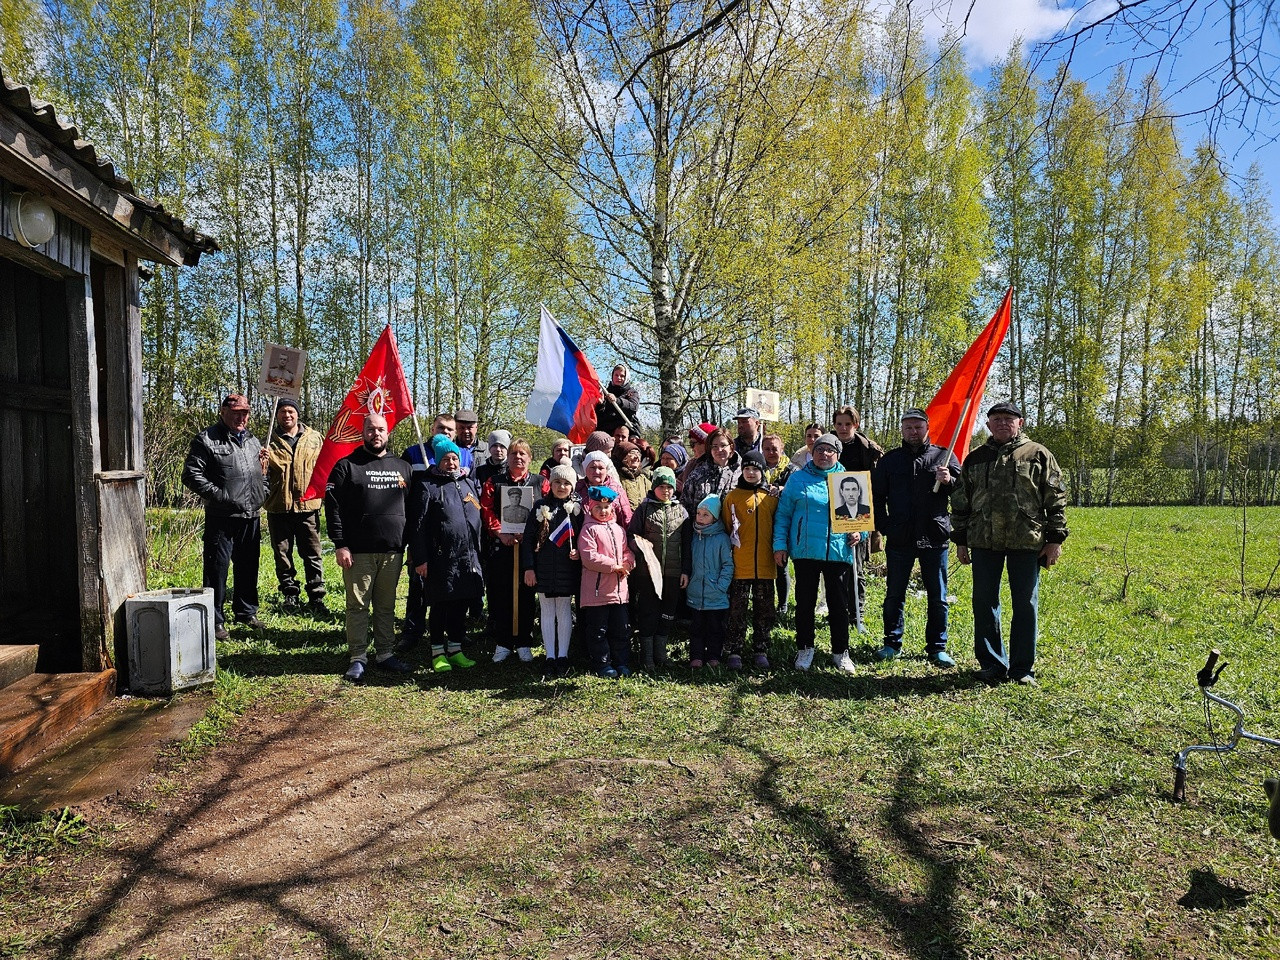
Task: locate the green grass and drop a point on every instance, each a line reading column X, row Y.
column 902, row 812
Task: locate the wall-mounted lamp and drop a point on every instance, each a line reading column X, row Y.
column 34, row 221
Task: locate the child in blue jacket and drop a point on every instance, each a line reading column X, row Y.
column 709, row 584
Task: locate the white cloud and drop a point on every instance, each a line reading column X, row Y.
column 991, row 26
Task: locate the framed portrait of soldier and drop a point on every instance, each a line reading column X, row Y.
column 516, row 505
column 767, row 402
column 850, row 498
column 282, row 369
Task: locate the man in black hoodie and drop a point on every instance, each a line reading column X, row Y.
column 364, row 505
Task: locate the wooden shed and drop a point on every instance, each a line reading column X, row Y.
column 72, row 475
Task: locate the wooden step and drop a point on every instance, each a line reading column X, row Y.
column 42, row 709
column 16, row 662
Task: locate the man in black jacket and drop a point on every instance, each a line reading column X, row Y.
column 364, row 505
column 914, row 519
column 227, row 467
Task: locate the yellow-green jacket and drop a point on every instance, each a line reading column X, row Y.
column 289, row 471
column 1010, row 497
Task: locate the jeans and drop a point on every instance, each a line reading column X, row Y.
column 933, row 571
column 836, row 576
column 607, row 635
column 1024, row 589
column 232, row 543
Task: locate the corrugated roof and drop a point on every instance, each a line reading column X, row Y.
column 44, row 118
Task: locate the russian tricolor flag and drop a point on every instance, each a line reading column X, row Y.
column 560, row 535
column 566, row 388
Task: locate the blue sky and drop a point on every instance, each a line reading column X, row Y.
column 1186, row 43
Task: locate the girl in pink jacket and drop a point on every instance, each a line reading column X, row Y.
column 606, row 562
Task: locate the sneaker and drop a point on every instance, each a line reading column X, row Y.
column 623, row 670
column 393, row 664
column 607, row 672
column 992, row 675
column 461, row 660
column 355, row 672
column 695, row 664
column 501, row 653
column 222, row 633
column 253, row 623
column 761, row 662
column 733, row 663
column 843, row 663
column 940, row 658
column 440, row 663
column 525, row 655
column 887, row 652
column 1027, row 680
column 804, row 659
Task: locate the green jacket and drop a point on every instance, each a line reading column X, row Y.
column 289, row 469
column 1010, row 497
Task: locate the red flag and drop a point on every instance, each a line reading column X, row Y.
column 954, row 409
column 380, row 388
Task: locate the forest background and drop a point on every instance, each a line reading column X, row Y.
column 809, row 198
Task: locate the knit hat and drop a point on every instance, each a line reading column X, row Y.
column 592, row 457
column 501, row 437
column 701, row 431
column 286, row 402
column 561, row 472
column 664, row 475
column 441, row 446
column 602, row 494
column 756, row 459
column 677, row 453
column 621, row 450
column 829, row 440
column 598, row 441
column 710, row 503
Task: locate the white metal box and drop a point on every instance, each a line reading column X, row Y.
column 171, row 643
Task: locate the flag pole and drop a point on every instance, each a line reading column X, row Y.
column 422, row 447
column 955, row 437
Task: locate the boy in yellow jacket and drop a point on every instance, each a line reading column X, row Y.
column 748, row 517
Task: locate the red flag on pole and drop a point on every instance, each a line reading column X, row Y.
column 954, row 409
column 380, row 388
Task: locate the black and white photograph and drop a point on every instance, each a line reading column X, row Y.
column 517, row 504
column 850, row 495
column 282, row 369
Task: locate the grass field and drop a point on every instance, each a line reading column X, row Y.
column 902, row 812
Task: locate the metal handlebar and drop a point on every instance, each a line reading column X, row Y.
column 1206, row 678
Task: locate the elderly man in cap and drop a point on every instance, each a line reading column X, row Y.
column 466, row 424
column 1010, row 508
column 750, row 436
column 292, row 451
column 911, row 489
column 227, row 468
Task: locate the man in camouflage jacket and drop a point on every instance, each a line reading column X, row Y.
column 1010, row 507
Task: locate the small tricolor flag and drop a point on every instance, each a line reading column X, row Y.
column 563, row 531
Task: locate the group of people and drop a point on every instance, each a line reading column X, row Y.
column 717, row 528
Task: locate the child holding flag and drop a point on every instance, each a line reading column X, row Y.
column 549, row 561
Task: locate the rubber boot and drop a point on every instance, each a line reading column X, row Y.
column 646, row 651
column 660, row 650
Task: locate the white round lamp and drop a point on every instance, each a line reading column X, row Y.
column 34, row 221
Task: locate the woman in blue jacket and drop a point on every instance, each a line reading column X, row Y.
column 802, row 530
